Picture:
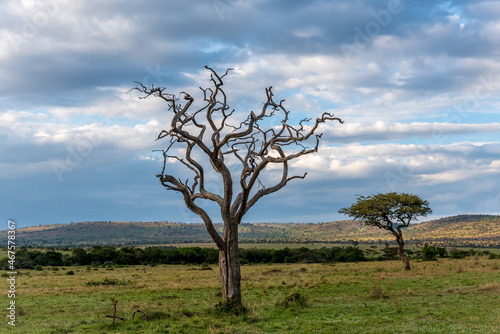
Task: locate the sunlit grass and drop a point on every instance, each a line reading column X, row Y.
column 447, row 296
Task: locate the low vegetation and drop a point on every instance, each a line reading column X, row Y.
column 439, row 296
column 107, row 256
column 28, row 258
column 313, row 288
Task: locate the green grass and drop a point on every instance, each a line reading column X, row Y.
column 447, row 296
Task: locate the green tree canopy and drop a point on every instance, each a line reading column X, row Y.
column 388, row 211
column 391, row 211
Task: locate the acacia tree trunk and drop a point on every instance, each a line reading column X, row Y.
column 229, row 265
column 401, row 244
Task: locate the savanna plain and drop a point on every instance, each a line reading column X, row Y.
column 444, row 296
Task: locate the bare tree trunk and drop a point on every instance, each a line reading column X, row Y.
column 229, row 265
column 209, row 131
column 401, row 252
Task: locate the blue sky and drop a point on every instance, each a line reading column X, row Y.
column 416, row 82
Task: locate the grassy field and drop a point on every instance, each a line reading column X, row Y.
column 447, row 296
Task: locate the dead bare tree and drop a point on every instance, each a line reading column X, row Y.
column 211, row 137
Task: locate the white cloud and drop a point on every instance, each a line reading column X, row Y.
column 433, row 133
column 308, row 32
column 428, row 165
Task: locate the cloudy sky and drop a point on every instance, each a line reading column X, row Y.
column 416, row 82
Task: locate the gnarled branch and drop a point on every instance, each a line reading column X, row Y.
column 237, row 153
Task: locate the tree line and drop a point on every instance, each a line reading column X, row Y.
column 29, row 258
column 99, row 255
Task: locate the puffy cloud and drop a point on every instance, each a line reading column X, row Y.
column 431, row 133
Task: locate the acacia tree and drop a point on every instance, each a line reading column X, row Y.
column 392, row 212
column 211, row 139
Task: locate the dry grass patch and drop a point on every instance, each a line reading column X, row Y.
column 378, row 293
column 272, row 271
column 490, row 287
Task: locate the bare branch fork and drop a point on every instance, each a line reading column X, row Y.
column 114, row 316
column 208, row 132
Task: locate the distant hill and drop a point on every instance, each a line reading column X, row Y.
column 462, row 230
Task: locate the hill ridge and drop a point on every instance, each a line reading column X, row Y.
column 460, row 230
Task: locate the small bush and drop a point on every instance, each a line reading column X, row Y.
column 39, row 268
column 430, row 253
column 493, row 256
column 294, row 299
column 378, row 293
column 158, row 315
column 71, row 272
column 458, row 254
column 108, row 281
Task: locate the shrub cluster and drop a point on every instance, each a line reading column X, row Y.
column 29, row 258
column 301, row 255
column 430, row 253
column 106, row 255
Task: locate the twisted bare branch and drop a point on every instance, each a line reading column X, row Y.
column 209, row 140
